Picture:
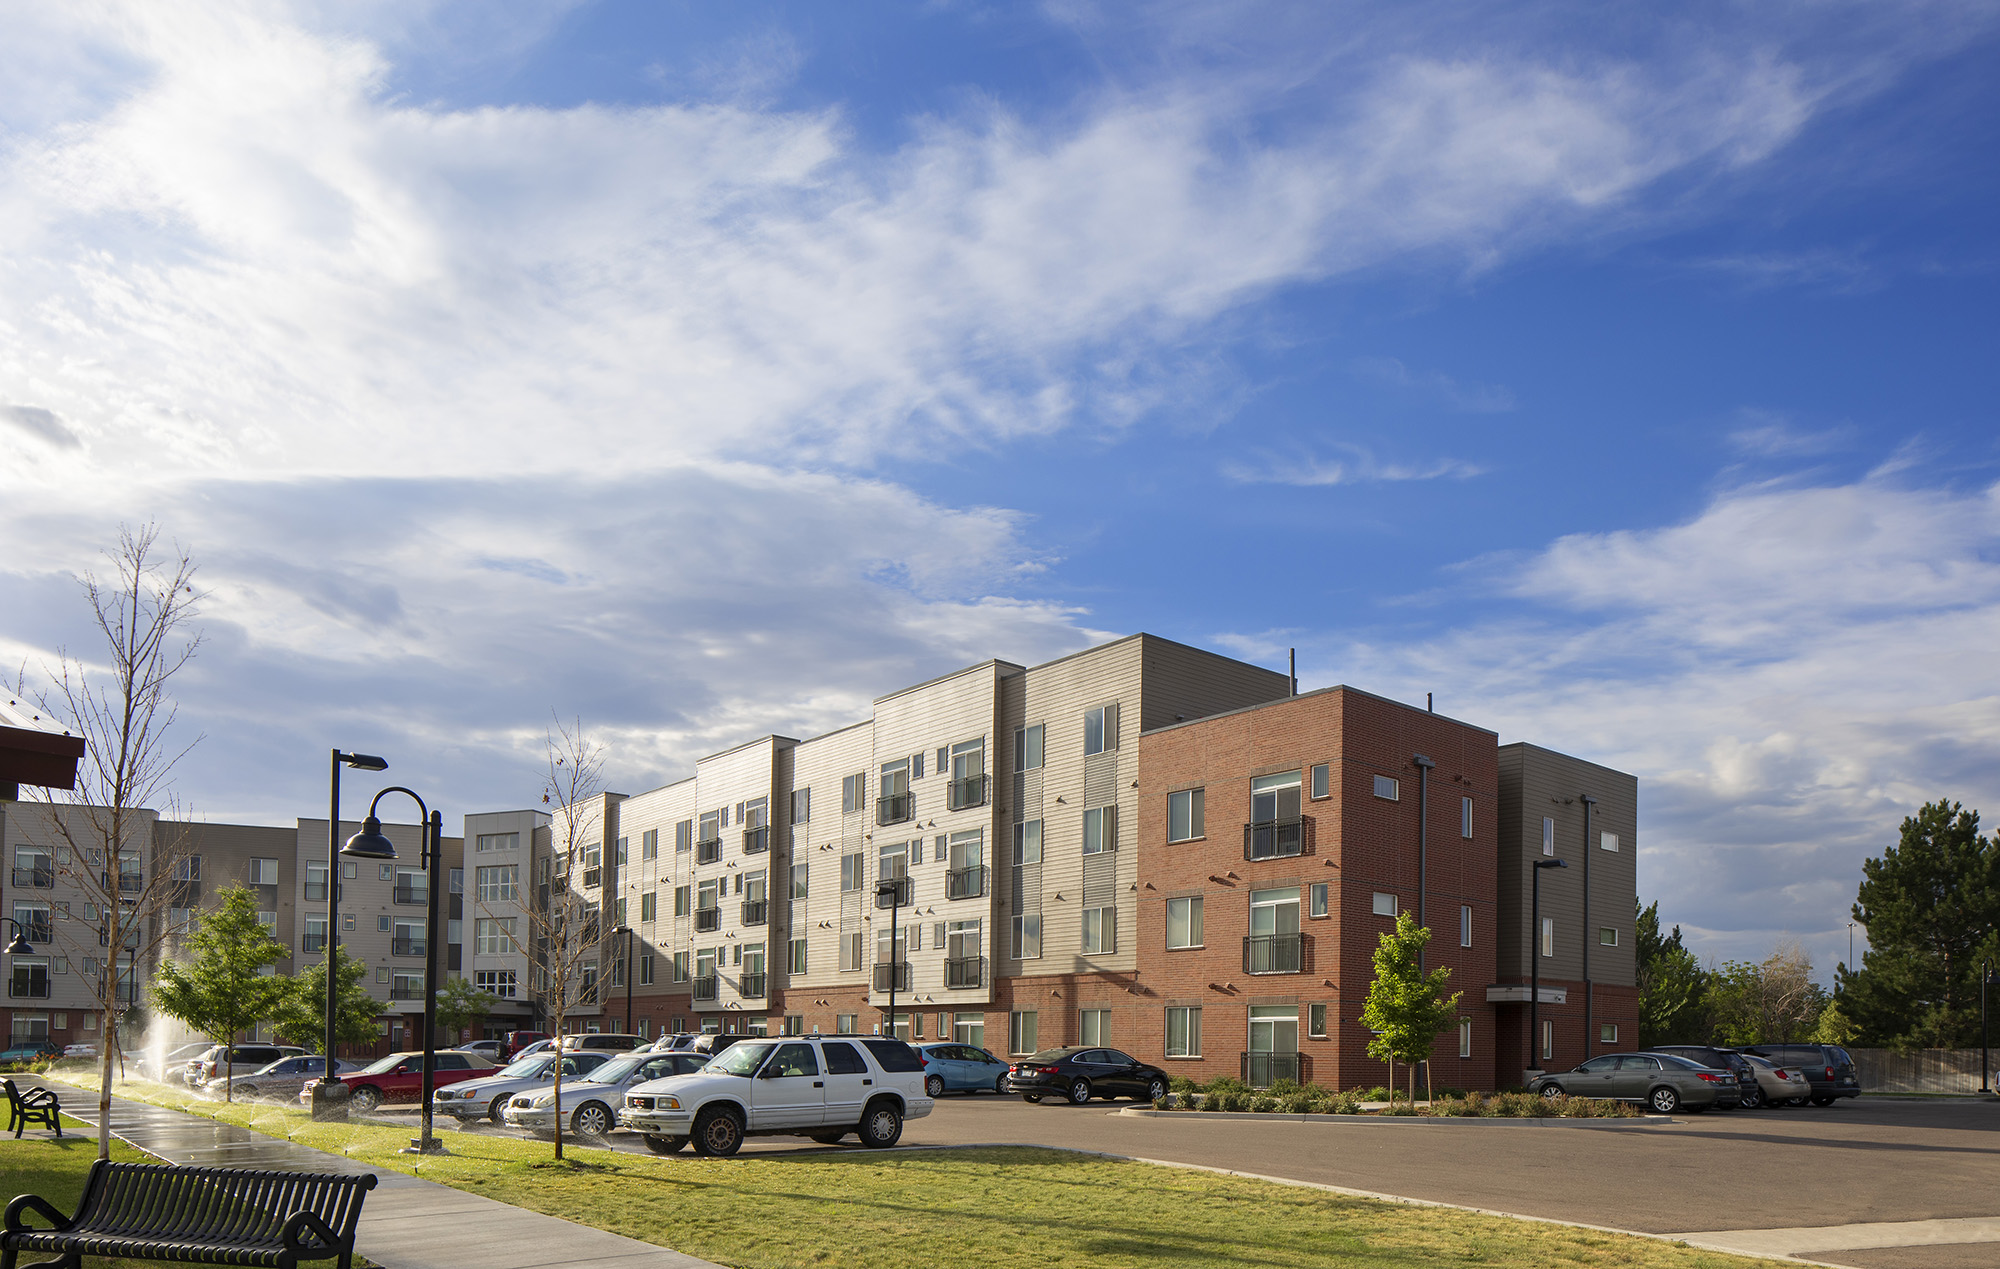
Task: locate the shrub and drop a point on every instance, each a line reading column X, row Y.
column 1304, row 1101
column 1376, row 1094
column 1263, row 1103
column 1209, row 1101
column 1182, row 1085
column 1282, row 1088
column 1226, row 1084
column 1348, row 1103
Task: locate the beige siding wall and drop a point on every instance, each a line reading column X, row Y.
column 821, row 764
column 511, row 958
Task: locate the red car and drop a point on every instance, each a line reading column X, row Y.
column 400, row 1078
column 514, row 1041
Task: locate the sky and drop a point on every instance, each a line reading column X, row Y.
column 1623, row 376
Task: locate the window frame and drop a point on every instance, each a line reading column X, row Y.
column 1105, row 937
column 1105, row 717
column 1603, row 930
column 1316, row 1020
column 1388, row 788
column 1465, row 925
column 1546, row 940
column 1318, row 901
column 1319, row 782
column 1548, row 835
column 1030, row 741
column 1376, row 905
column 1191, row 923
column 1193, row 815
column 1465, row 818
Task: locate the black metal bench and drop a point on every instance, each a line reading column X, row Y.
column 216, row 1216
column 37, row 1105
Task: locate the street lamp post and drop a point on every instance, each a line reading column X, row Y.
column 626, row 969
column 370, row 843
column 892, row 891
column 327, row 1104
column 1985, row 1068
column 1535, row 968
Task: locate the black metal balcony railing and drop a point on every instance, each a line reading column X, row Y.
column 1272, row 839
column 407, row 893
column 1261, row 1070
column 965, row 883
column 901, row 897
column 707, row 919
column 1274, row 953
column 315, row 892
column 128, row 994
column 750, row 986
column 966, row 791
column 896, row 808
column 756, row 840
column 407, row 991
column 965, row 971
column 896, row 972
column 755, row 911
column 406, row 947
column 708, row 852
column 704, row 988
column 34, row 878
column 25, row 987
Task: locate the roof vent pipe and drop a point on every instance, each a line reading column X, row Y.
column 1294, row 657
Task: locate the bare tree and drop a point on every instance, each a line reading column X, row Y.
column 121, row 842
column 563, row 911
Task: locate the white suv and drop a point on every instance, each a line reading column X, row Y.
column 807, row 1086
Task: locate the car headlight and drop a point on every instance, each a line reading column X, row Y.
column 546, row 1099
column 668, row 1103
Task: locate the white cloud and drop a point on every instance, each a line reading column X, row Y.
column 1357, row 465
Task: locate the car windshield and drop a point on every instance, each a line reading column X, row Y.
column 386, row 1064
column 1766, row 1063
column 526, row 1068
column 1676, row 1060
column 741, row 1059
column 618, row 1068
column 1051, row 1055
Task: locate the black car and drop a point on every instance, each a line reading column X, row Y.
column 1827, row 1067
column 1749, row 1095
column 1083, row 1073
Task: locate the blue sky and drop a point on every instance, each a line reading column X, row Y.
column 1622, row 376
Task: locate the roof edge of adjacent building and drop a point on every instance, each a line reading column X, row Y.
column 1569, row 757
column 994, row 662
column 1321, row 691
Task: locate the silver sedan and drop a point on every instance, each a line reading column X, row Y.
column 1780, row 1085
column 484, row 1098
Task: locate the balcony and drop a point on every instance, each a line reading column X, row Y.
column 1273, row 839
column 756, row 911
column 408, row 893
column 703, row 988
column 1274, row 953
column 315, row 892
column 967, row 792
column 707, row 920
column 34, row 878
column 892, row 976
column 128, row 995
column 897, row 808
column 965, row 971
column 1261, row 1070
column 29, row 987
column 902, row 896
column 406, row 946
column 407, row 991
column 750, row 986
column 708, row 852
column 756, row 840
column 965, row 883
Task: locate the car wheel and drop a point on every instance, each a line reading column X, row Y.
column 1156, row 1088
column 1552, row 1091
column 827, row 1138
column 717, row 1132
column 1822, row 1101
column 934, row 1086
column 366, row 1098
column 1664, row 1100
column 1000, row 1084
column 1031, row 1097
column 1753, row 1099
column 592, row 1119
column 665, row 1145
column 493, row 1111
column 1079, row 1092
column 881, row 1124
column 1795, row 1101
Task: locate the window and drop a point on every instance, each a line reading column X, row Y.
column 893, row 861
column 1027, row 843
column 492, row 936
column 852, row 871
column 854, row 793
column 1385, row 904
column 968, row 775
column 1184, row 922
column 1316, row 1021
column 646, row 969
column 1607, row 936
column 618, row 852
column 802, row 801
column 347, row 922
column 1465, row 925
column 1465, row 1037
column 968, row 1028
column 381, row 925
column 850, row 951
column 498, row 883
column 385, row 872
column 917, row 764
column 1607, row 1033
column 1184, row 1031
column 34, row 922
column 649, row 906
column 897, row 803
column 1548, row 936
column 1185, row 816
column 1100, row 829
column 1100, row 931
column 618, row 911
column 796, row 961
column 1027, row 945
column 315, row 935
column 30, row 979
column 454, row 881
column 1608, row 841
column 1387, row 788
column 382, row 974
column 801, row 876
column 683, row 836
column 1093, row 1026
column 1548, row 835
column 1100, row 729
column 1021, row 1032
column 1316, row 899
column 498, row 982
column 680, row 973
column 1465, row 818
column 649, row 844
column 263, row 872
column 1028, row 748
column 1322, row 783
column 1548, row 1039
column 188, row 869
column 496, row 841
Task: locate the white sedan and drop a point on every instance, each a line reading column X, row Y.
column 80, row 1050
column 592, row 1105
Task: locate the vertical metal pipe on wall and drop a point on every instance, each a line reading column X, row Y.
column 1589, row 1036
column 1424, row 766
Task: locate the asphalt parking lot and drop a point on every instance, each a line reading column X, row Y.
column 1861, row 1161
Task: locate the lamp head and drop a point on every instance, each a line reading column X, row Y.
column 19, row 947
column 369, row 843
column 364, row 762
column 1551, row 863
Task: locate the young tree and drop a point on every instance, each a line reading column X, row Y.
column 113, row 834
column 1774, row 1001
column 221, row 990
column 1930, row 904
column 459, row 1003
column 299, row 1015
column 1833, row 1026
column 1671, row 985
column 1407, row 1008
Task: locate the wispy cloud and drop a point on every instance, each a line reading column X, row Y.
column 1355, row 465
column 37, row 422
column 1773, row 434
column 1469, row 398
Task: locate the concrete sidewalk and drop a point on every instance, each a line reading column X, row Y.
column 406, row 1223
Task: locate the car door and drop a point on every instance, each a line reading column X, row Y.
column 848, row 1081
column 948, row 1060
column 1636, row 1075
column 788, row 1091
column 1122, row 1074
column 1593, row 1079
column 985, row 1067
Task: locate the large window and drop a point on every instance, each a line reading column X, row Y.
column 498, row 883
column 649, row 844
column 1184, row 1031
column 1100, row 829
column 1100, row 729
column 969, row 1028
column 801, row 878
column 1028, row 748
column 1186, row 816
column 649, row 906
column 1021, row 1031
column 968, row 775
column 796, row 963
column 1027, row 843
column 853, row 871
column 498, row 982
column 496, row 841
column 683, row 836
column 1027, row 944
column 1093, row 1026
column 263, row 872
column 1184, row 922
column 1273, row 947
column 492, row 936
column 1100, row 931
column 854, row 793
column 802, row 800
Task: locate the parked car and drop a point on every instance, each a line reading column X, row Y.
column 1081, row 1073
column 675, row 1042
column 220, row 1063
column 822, row 1088
column 33, row 1051
column 1664, row 1082
column 286, row 1076
column 173, row 1063
column 1780, row 1085
column 400, row 1078
column 514, row 1042
column 961, row 1068
column 487, row 1048
column 602, row 1042
column 1828, row 1068
column 593, row 1104
column 535, row 1049
column 488, row 1095
column 1748, row 1095
column 79, row 1051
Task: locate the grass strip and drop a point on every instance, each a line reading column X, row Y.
column 997, row 1208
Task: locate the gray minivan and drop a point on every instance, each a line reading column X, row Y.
column 1828, row 1068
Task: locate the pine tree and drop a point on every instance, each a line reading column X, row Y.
column 1671, row 985
column 1406, row 1008
column 220, row 989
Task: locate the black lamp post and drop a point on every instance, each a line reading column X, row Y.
column 369, row 843
column 893, row 892
column 1985, row 1069
column 1535, row 966
column 19, row 946
column 625, row 968
column 327, row 1104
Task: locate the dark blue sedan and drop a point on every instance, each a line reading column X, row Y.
column 960, row 1068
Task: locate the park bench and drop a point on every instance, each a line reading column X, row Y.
column 216, row 1216
column 37, row 1105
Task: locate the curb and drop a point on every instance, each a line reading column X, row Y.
column 1647, row 1121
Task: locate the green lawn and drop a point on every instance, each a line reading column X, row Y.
column 1010, row 1208
column 55, row 1170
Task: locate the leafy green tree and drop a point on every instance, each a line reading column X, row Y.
column 459, row 1003
column 220, row 989
column 1833, row 1027
column 1407, row 1008
column 1774, row 1001
column 299, row 1014
column 1672, row 986
column 1930, row 904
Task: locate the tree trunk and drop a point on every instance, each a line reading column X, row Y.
column 104, row 1099
column 557, row 1107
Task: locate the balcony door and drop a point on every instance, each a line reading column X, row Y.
column 1274, row 816
column 1274, row 1045
column 1274, row 933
